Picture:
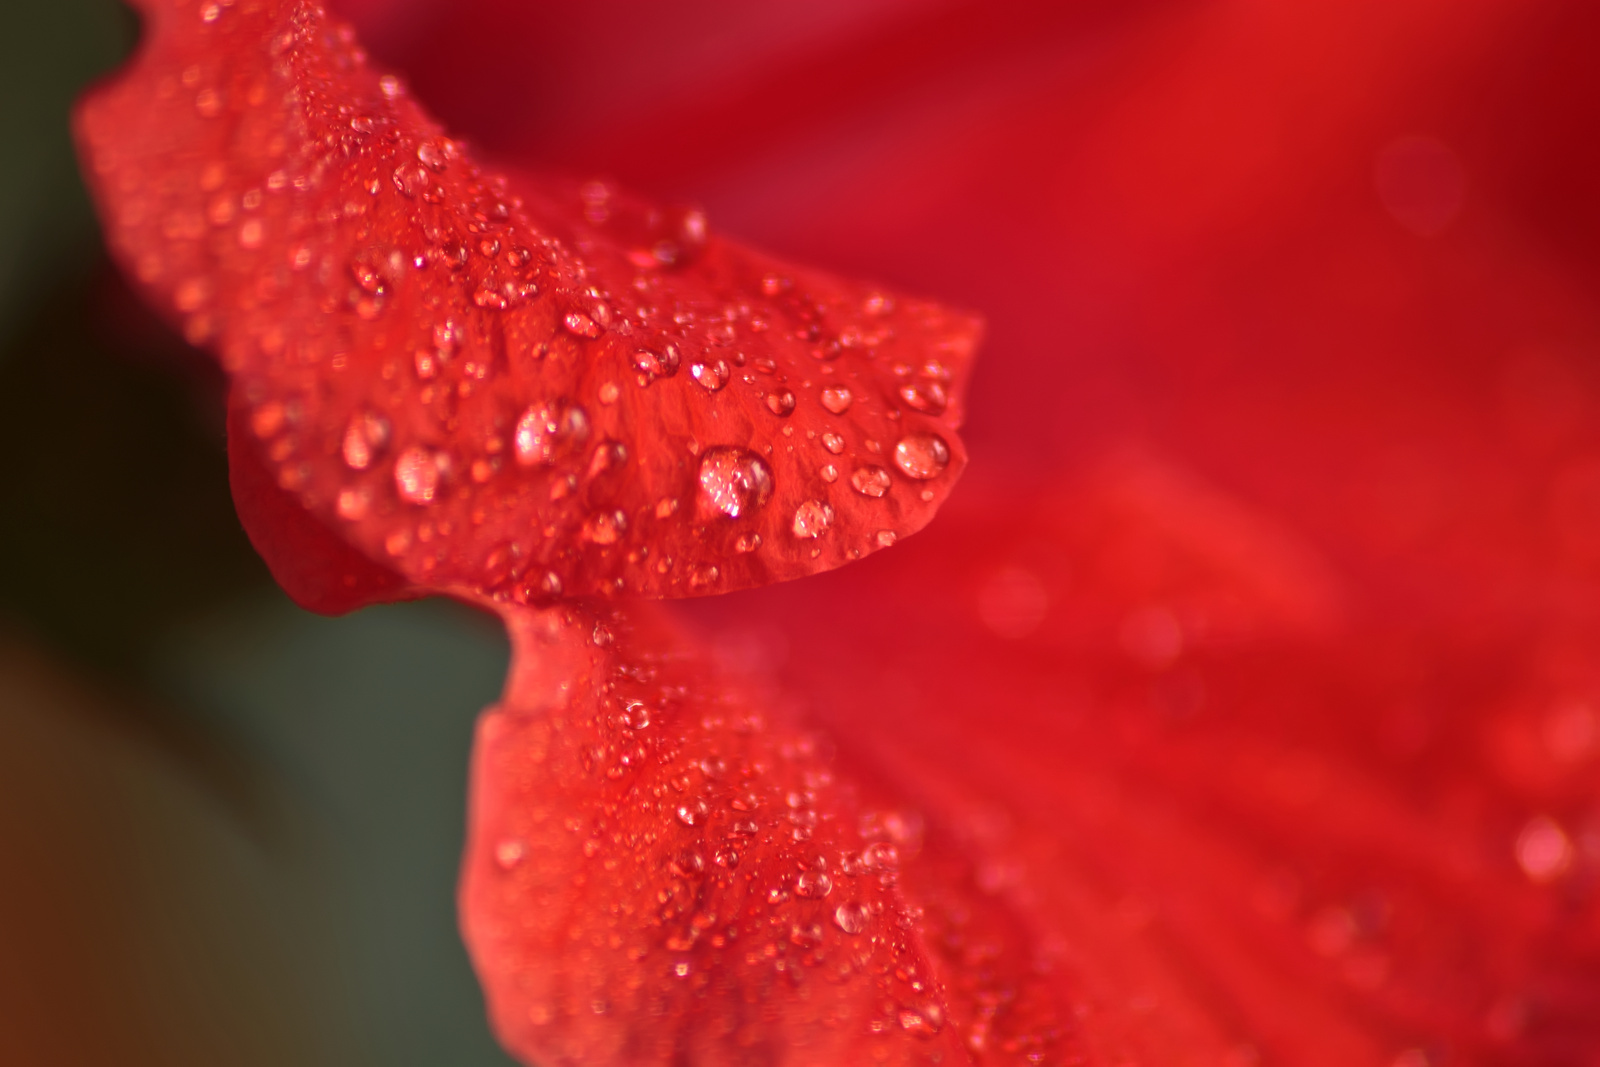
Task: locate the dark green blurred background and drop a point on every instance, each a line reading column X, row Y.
column 228, row 829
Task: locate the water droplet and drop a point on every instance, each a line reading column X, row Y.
column 733, row 482
column 609, row 392
column 885, row 538
column 354, row 503
column 546, row 429
column 829, row 473
column 432, row 155
column 711, row 375
column 923, row 1022
column 510, row 852
column 416, row 475
column 688, row 864
column 852, row 918
column 747, row 542
column 837, row 399
column 1543, row 850
column 812, row 519
column 604, row 527
column 833, row 443
column 921, row 455
column 663, row 364
column 780, row 403
column 635, row 714
column 870, row 481
column 813, row 885
column 692, row 812
column 364, row 438
column 926, row 397
column 578, row 323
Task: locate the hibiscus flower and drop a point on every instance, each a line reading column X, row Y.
column 1239, row 706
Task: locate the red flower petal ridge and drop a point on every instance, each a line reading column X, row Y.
column 497, row 385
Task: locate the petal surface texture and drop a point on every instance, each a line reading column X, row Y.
column 497, row 384
column 663, row 869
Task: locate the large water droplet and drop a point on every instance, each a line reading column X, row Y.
column 812, row 519
column 416, row 475
column 733, row 482
column 870, row 481
column 921, row 455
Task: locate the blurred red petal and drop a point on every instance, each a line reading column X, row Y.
column 1260, row 814
column 507, row 386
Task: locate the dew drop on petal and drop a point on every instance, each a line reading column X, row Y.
column 833, row 443
column 604, row 527
column 852, row 918
column 364, row 438
column 416, row 475
column 812, row 519
column 870, row 481
column 544, row 429
column 837, row 399
column 921, row 455
column 813, row 885
column 733, row 482
column 509, row 853
column 693, row 812
column 712, row 375
column 926, row 397
column 885, row 538
column 780, row 403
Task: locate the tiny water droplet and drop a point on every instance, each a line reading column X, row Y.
column 733, row 482
column 812, row 519
column 833, row 443
column 885, row 538
column 747, row 542
column 921, row 455
column 870, row 481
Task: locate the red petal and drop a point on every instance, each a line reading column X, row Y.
column 319, row 571
column 498, row 385
column 661, row 870
column 1269, row 828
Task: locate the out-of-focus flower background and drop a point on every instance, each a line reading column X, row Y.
column 1335, row 260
